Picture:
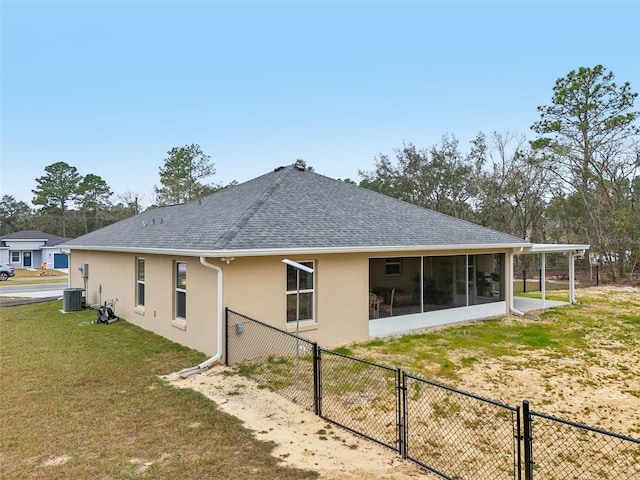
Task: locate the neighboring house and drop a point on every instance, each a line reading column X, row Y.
column 32, row 248
column 173, row 269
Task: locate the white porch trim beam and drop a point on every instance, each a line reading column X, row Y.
column 551, row 247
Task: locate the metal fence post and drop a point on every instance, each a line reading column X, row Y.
column 317, row 407
column 528, row 441
column 401, row 382
column 226, row 336
column 541, row 279
column 524, row 281
column 519, row 443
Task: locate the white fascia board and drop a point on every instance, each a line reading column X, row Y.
column 24, row 240
column 550, row 248
column 25, row 244
column 299, row 251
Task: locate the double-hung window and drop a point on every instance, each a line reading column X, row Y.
column 15, row 256
column 140, row 282
column 305, row 294
column 181, row 291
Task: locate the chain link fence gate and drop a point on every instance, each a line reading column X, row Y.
column 458, row 434
column 558, row 448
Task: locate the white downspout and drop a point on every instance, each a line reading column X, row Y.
column 204, row 365
column 511, row 307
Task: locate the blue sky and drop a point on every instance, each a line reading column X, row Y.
column 110, row 86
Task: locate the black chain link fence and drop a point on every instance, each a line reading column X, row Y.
column 455, row 434
column 563, row 449
column 460, row 435
column 360, row 396
column 273, row 358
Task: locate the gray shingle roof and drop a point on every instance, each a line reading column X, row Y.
column 34, row 235
column 291, row 209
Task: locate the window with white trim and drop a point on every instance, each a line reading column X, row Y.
column 140, row 275
column 181, row 291
column 306, row 293
column 15, row 256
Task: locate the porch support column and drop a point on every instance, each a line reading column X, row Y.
column 543, row 274
column 509, row 285
column 572, row 289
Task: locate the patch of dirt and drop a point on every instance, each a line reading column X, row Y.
column 303, row 439
column 143, row 465
column 54, row 462
column 36, row 273
column 598, row 386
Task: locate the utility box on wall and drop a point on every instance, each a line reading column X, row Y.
column 84, row 270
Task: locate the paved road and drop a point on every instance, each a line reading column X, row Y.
column 45, row 290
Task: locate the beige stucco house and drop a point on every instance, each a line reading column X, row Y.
column 380, row 265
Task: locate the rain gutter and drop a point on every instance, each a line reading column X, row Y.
column 253, row 252
column 207, row 363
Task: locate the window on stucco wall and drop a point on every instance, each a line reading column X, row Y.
column 307, row 293
column 15, row 256
column 181, row 291
column 140, row 282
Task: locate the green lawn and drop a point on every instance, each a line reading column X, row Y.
column 533, row 286
column 574, row 331
column 87, row 402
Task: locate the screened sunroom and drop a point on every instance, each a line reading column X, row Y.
column 408, row 285
column 408, row 289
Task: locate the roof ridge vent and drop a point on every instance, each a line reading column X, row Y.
column 278, row 169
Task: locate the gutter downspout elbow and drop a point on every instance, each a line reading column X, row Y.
column 207, row 363
column 512, row 309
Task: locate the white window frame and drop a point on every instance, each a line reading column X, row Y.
column 294, row 291
column 179, row 290
column 19, row 257
column 140, row 283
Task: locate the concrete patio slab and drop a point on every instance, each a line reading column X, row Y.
column 524, row 304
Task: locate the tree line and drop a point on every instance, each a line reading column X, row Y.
column 577, row 181
column 71, row 205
